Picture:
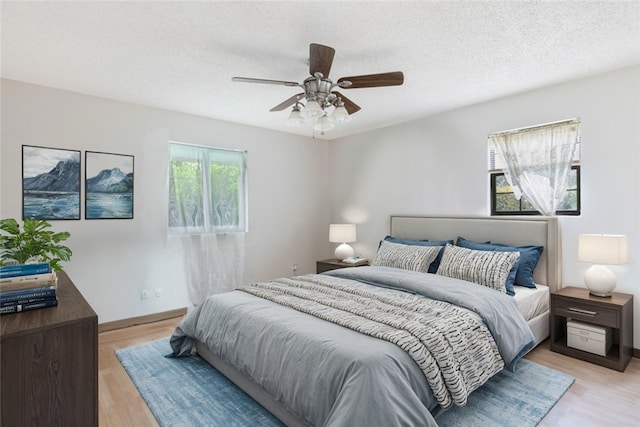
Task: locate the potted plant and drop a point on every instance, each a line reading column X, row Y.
column 33, row 243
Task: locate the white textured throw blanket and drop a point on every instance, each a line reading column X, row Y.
column 451, row 345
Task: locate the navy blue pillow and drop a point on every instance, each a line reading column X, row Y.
column 433, row 267
column 529, row 257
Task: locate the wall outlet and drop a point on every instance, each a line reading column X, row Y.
column 294, row 267
column 144, row 294
column 158, row 292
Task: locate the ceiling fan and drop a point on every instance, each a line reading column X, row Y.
column 319, row 90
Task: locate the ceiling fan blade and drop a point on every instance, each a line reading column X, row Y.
column 264, row 81
column 351, row 106
column 320, row 59
column 394, row 78
column 289, row 102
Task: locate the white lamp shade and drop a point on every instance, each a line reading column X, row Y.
column 323, row 124
column 602, row 249
column 340, row 115
column 295, row 118
column 312, row 109
column 342, row 233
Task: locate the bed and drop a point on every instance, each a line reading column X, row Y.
column 543, row 231
column 319, row 370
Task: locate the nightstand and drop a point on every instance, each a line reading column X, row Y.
column 615, row 312
column 334, row 264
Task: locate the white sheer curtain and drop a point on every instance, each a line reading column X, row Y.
column 207, row 215
column 213, row 263
column 538, row 160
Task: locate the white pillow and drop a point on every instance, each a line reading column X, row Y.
column 407, row 257
column 486, row 268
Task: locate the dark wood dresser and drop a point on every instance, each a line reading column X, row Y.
column 49, row 363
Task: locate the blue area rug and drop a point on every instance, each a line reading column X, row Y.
column 189, row 392
column 519, row 399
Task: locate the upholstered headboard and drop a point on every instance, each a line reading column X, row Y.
column 515, row 231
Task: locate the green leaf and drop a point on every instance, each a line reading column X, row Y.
column 34, row 241
column 10, row 225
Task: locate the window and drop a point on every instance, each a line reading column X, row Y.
column 504, row 202
column 207, row 189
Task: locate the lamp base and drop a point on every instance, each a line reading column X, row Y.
column 600, row 280
column 344, row 251
column 600, row 295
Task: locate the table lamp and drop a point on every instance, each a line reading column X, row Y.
column 602, row 249
column 342, row 233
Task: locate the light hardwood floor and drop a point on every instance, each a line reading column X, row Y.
column 600, row 397
column 119, row 402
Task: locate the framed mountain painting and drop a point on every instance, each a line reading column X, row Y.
column 108, row 186
column 50, row 183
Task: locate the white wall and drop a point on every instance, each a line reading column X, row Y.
column 113, row 260
column 437, row 166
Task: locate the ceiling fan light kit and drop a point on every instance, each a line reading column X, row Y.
column 319, row 91
column 323, row 124
column 340, row 114
column 295, row 117
column 312, row 109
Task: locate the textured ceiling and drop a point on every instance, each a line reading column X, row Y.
column 181, row 55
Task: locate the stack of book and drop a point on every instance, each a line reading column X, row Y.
column 27, row 287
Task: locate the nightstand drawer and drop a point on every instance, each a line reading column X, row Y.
column 583, row 311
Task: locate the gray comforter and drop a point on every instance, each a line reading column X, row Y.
column 331, row 375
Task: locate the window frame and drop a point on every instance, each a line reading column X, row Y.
column 494, row 174
column 205, row 158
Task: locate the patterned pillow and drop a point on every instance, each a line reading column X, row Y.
column 529, row 256
column 433, row 267
column 408, row 257
column 487, row 268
